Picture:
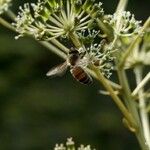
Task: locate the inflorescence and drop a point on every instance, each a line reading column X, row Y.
column 4, row 4
column 70, row 145
column 57, row 19
column 123, row 23
column 52, row 19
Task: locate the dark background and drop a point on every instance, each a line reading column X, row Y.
column 36, row 112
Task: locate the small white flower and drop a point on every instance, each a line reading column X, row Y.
column 4, row 4
column 102, row 57
column 123, row 23
column 82, row 147
column 59, row 147
column 53, row 19
column 141, row 53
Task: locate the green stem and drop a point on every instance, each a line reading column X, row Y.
column 116, row 99
column 49, row 46
column 6, row 24
column 75, row 39
column 141, row 84
column 121, row 5
column 113, row 84
column 120, row 8
column 11, row 15
column 53, row 49
column 106, row 29
column 142, row 106
column 132, row 107
column 61, row 46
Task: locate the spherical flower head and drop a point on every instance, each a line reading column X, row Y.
column 102, row 58
column 52, row 18
column 123, row 23
column 4, row 4
column 98, row 54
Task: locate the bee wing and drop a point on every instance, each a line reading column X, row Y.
column 58, row 70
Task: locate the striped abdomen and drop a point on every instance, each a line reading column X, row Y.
column 80, row 75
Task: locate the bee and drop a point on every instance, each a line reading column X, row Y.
column 76, row 64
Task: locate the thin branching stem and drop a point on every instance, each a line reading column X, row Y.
column 75, row 39
column 6, row 24
column 141, row 84
column 11, row 14
column 122, row 5
column 127, row 96
column 116, row 99
column 53, row 49
column 142, row 106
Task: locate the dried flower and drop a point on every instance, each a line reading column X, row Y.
column 4, row 4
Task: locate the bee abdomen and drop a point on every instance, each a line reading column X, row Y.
column 80, row 75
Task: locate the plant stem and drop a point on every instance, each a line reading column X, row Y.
column 116, row 99
column 141, row 84
column 121, row 5
column 6, row 24
column 113, row 84
column 45, row 44
column 142, row 106
column 61, row 46
column 11, row 15
column 132, row 107
column 53, row 49
column 49, row 46
column 120, row 8
column 75, row 39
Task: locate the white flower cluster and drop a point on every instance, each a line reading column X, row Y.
column 141, row 53
column 51, row 19
column 123, row 23
column 102, row 57
column 4, row 4
column 82, row 147
column 70, row 145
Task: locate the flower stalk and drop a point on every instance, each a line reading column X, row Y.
column 142, row 106
column 116, row 99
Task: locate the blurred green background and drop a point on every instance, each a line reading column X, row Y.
column 36, row 112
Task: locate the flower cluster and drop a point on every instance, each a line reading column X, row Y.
column 102, row 57
column 4, row 4
column 57, row 19
column 50, row 19
column 54, row 18
column 123, row 23
column 99, row 53
column 71, row 145
column 141, row 53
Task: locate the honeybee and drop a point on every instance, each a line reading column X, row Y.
column 75, row 62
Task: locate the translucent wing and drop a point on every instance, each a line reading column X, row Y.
column 58, row 70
